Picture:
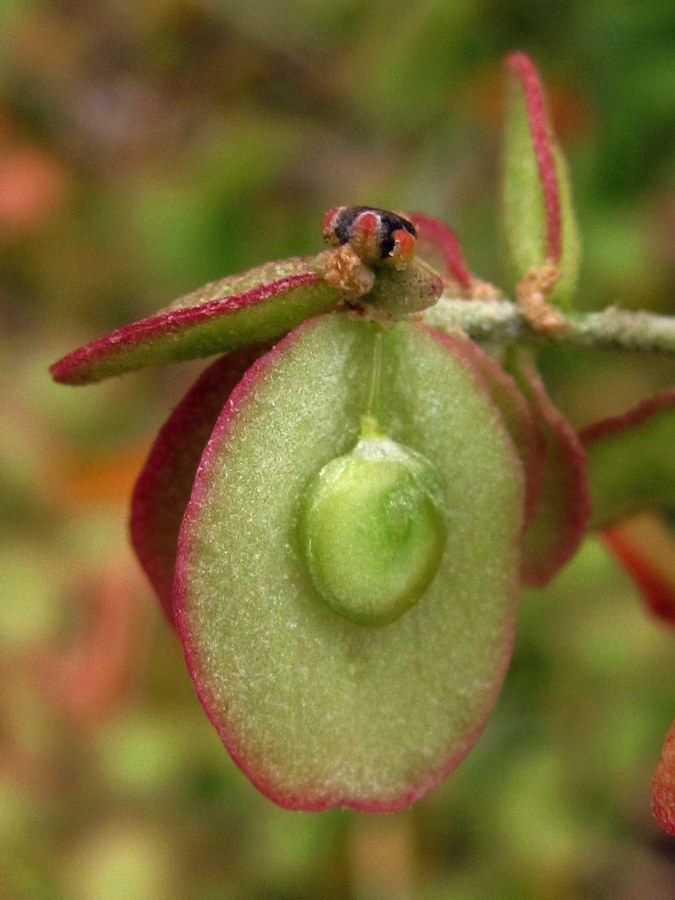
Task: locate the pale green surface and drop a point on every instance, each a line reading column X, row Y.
column 373, row 530
column 319, row 709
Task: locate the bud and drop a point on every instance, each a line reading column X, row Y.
column 538, row 221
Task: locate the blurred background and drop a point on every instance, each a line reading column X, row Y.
column 149, row 147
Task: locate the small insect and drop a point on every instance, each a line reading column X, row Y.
column 377, row 236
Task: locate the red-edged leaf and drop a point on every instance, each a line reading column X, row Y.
column 165, row 484
column 541, row 135
column 631, row 460
column 438, row 245
column 538, row 220
column 318, row 710
column 561, row 517
column 251, row 308
column 646, row 549
column 663, row 796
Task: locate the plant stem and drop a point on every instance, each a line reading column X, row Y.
column 501, row 322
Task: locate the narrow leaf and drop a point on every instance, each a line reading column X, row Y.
column 538, row 221
column 234, row 312
column 631, row 461
column 165, row 483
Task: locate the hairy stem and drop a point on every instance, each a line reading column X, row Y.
column 501, row 322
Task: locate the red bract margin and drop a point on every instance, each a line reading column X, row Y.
column 522, row 68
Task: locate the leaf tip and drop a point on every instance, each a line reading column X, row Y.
column 529, row 85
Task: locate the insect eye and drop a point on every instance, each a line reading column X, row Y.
column 376, row 235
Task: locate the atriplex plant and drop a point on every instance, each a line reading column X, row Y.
column 338, row 516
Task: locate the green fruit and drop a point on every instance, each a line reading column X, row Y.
column 373, row 530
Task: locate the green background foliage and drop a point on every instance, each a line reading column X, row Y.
column 147, row 148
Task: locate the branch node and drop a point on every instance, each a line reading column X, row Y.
column 531, row 294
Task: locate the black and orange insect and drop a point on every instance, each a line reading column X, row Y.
column 377, row 236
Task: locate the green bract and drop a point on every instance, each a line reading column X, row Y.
column 319, row 710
